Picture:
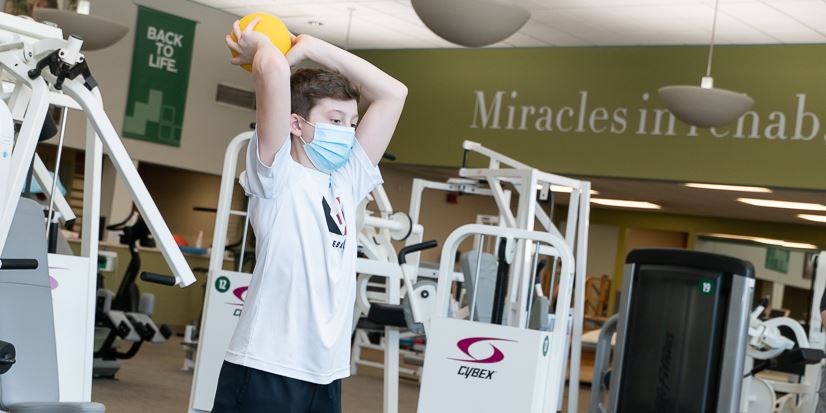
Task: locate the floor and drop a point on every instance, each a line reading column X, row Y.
column 153, row 382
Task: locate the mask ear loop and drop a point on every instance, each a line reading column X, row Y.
column 302, row 132
column 330, row 184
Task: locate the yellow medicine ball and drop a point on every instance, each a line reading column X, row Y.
column 269, row 26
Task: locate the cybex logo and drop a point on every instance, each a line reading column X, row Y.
column 475, row 372
column 466, row 344
column 240, row 294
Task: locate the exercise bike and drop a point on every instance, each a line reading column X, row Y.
column 126, row 315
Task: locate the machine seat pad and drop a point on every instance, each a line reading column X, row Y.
column 56, row 407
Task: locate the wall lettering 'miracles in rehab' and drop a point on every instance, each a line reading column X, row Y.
column 499, row 112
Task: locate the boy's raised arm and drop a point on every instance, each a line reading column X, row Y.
column 271, row 74
column 384, row 94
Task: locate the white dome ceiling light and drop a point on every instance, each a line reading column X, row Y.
column 97, row 32
column 706, row 106
column 472, row 23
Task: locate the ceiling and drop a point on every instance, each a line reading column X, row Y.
column 378, row 24
column 674, row 197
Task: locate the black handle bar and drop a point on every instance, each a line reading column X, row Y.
column 415, row 248
column 158, row 278
column 18, row 264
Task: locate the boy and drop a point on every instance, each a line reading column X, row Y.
column 309, row 165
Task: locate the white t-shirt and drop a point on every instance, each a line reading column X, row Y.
column 298, row 311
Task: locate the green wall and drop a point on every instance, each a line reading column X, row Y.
column 594, row 111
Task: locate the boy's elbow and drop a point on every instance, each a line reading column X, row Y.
column 267, row 68
column 399, row 91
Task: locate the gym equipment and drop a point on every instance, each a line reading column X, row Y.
column 24, row 60
column 127, row 314
column 532, row 188
column 30, row 380
column 481, row 282
column 782, row 346
column 225, row 288
column 241, row 260
column 688, row 358
column 378, row 282
column 270, row 26
column 7, row 356
column 378, row 260
column 526, row 367
column 776, row 352
column 512, row 298
column 38, row 68
column 396, row 315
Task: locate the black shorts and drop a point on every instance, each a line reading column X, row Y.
column 246, row 390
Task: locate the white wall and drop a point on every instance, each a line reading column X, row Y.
column 757, row 256
column 208, row 126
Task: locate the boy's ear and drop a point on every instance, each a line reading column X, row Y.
column 295, row 125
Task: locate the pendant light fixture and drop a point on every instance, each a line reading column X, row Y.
column 97, row 32
column 472, row 23
column 706, row 106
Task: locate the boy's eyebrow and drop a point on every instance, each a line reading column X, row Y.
column 341, row 113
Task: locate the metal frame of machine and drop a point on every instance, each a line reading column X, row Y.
column 527, row 182
column 40, row 68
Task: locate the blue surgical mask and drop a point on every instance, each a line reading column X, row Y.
column 331, row 146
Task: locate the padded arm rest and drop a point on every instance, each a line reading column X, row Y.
column 390, row 315
column 811, row 355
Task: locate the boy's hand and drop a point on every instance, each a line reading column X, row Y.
column 248, row 44
column 301, row 48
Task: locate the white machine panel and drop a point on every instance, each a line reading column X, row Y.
column 476, row 367
column 225, row 295
column 74, row 322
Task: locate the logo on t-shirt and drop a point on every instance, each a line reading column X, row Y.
column 336, row 224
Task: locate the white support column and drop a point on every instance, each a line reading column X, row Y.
column 89, row 245
column 572, row 237
column 391, row 352
column 521, row 272
column 581, row 262
column 777, row 295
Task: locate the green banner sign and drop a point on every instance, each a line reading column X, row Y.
column 595, row 111
column 160, row 76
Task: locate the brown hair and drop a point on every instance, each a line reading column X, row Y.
column 308, row 86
